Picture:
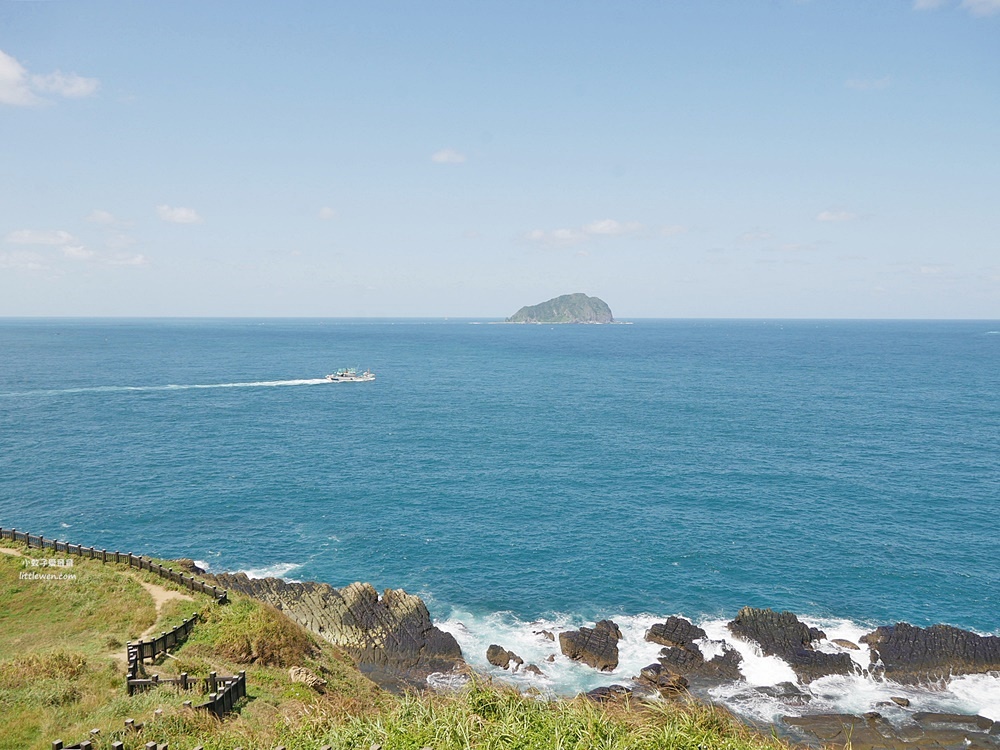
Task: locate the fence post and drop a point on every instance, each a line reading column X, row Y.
column 213, row 685
column 57, row 745
column 104, row 555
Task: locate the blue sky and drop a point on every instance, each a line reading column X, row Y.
column 741, row 158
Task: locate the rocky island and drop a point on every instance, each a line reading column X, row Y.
column 569, row 308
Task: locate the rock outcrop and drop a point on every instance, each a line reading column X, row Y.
column 662, row 680
column 675, row 632
column 871, row 731
column 782, row 634
column 682, row 655
column 569, row 308
column 597, row 646
column 498, row 656
column 908, row 653
column 391, row 637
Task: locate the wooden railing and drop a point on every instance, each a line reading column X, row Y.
column 134, row 561
column 136, row 652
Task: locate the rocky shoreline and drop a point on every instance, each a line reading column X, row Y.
column 394, row 642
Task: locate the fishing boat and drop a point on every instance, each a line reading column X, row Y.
column 351, row 375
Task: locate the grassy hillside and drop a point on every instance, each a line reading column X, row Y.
column 62, row 674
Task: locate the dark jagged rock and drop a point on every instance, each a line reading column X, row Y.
column 676, row 631
column 665, row 682
column 782, row 634
column 531, row 668
column 188, row 566
column 846, row 644
column 912, row 654
column 498, row 656
column 391, row 637
column 904, row 702
column 547, row 634
column 597, row 646
column 691, row 663
column 609, row 693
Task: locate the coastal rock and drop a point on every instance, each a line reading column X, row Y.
column 609, row 693
column 597, row 646
column 665, row 682
column 721, row 668
column 872, row 731
column 782, row 634
column 912, row 654
column 532, row 669
column 904, row 702
column 546, row 634
column 843, row 643
column 307, row 677
column 498, row 656
column 391, row 637
column 676, row 631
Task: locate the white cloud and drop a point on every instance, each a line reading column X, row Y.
column 71, row 86
column 14, row 88
column 23, row 260
column 39, row 237
column 105, row 218
column 18, row 89
column 978, row 8
column 754, row 235
column 982, row 7
column 77, row 252
column 671, row 230
column 869, row 84
column 326, row 213
column 448, row 156
column 610, row 227
column 127, row 259
column 178, row 215
column 836, row 216
column 600, row 228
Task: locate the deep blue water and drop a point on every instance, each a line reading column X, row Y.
column 837, row 469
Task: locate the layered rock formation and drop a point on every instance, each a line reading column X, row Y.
column 782, row 634
column 597, row 646
column 391, row 637
column 682, row 655
column 906, row 653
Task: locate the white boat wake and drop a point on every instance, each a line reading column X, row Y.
column 171, row 387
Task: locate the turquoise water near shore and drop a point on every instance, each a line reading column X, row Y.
column 846, row 470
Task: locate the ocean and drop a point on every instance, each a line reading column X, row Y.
column 528, row 477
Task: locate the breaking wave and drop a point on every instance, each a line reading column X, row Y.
column 768, row 690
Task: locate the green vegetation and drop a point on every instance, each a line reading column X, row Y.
column 62, row 673
column 569, row 308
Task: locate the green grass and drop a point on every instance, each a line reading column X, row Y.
column 59, row 678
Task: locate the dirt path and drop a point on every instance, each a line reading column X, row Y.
column 9, row 551
column 160, row 597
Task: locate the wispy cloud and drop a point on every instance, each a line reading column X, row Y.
column 977, row 8
column 23, row 260
column 39, row 237
column 836, row 216
column 77, row 252
column 178, row 215
column 982, row 7
column 69, row 85
column 104, row 218
column 599, row 228
column 672, row 230
column 448, row 156
column 326, row 213
column 18, row 88
column 611, row 227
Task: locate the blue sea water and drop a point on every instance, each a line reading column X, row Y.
column 513, row 475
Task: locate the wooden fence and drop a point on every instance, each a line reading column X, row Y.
column 136, row 652
column 134, row 561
